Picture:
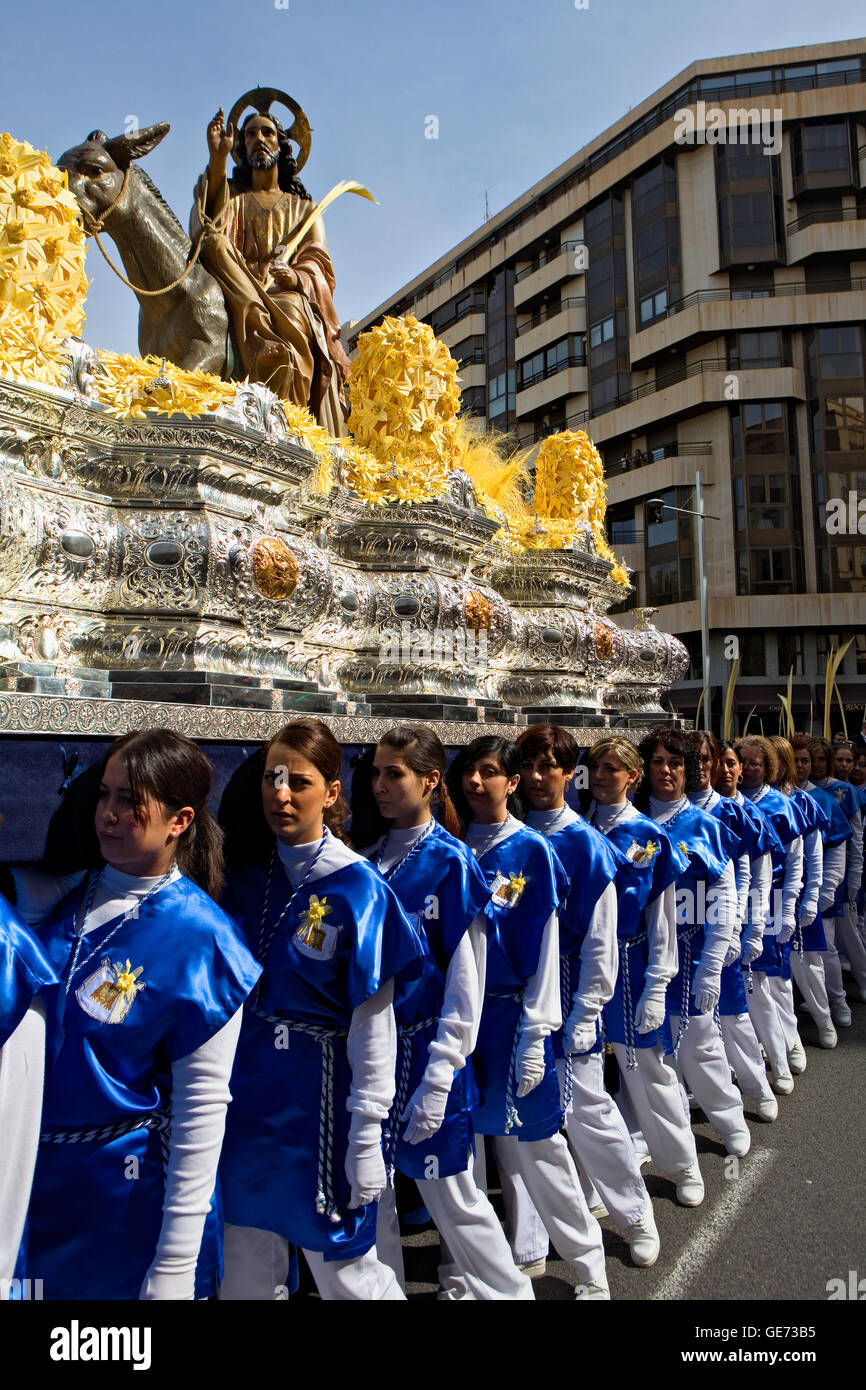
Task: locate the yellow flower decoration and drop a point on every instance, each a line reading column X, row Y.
column 125, row 980
column 516, row 885
column 310, row 932
column 42, row 279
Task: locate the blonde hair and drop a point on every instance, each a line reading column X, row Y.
column 620, row 748
column 771, row 757
column 786, row 777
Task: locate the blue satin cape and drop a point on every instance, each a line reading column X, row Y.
column 24, row 970
column 95, row 1217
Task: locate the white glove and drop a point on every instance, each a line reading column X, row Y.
column 530, row 1064
column 807, row 914
column 733, row 951
column 705, row 991
column 577, row 1035
column 786, row 928
column 753, row 944
column 425, row 1112
column 365, row 1162
column 650, row 1009
column 169, row 1278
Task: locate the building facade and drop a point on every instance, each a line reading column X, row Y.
column 690, row 289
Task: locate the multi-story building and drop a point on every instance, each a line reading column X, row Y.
column 690, row 289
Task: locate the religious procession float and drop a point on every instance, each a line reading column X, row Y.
column 241, row 525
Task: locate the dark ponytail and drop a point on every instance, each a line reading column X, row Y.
column 508, row 754
column 171, row 769
column 423, row 753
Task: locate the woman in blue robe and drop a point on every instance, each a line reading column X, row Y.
column 817, row 962
column 141, row 1033
column 314, row 1074
column 754, row 840
column 589, row 962
column 760, row 770
column 706, row 898
column 442, row 889
column 24, row 972
column 841, row 922
column 648, row 961
column 514, row 1060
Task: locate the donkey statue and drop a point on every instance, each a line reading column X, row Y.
column 188, row 324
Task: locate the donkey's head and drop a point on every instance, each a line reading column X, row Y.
column 96, row 167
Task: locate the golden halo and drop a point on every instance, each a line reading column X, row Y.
column 261, row 99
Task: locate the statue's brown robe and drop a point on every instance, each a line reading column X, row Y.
column 304, row 325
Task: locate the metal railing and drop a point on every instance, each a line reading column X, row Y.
column 553, row 370
column 649, row 388
column 809, row 219
column 770, row 291
column 542, row 316
column 547, row 257
column 642, row 457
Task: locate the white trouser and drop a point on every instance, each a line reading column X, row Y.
column 707, row 1074
column 849, row 941
column 743, row 1052
column 783, row 997
column 524, row 1229
column 257, row 1266
column 22, row 1070
column 767, row 1024
column 809, row 975
column 599, row 1137
column 472, row 1239
column 653, row 1090
column 550, row 1178
column 832, row 964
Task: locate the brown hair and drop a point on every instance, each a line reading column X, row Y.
column 171, row 769
column 422, row 751
column 620, row 748
column 703, row 736
column 317, row 744
column 552, row 739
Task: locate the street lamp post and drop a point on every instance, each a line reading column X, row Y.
column 702, row 574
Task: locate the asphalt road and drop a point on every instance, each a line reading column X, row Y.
column 792, row 1219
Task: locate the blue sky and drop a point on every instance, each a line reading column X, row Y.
column 516, row 88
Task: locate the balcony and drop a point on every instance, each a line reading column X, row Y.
column 551, row 268
column 699, row 385
column 566, row 318
column 821, row 233
column 712, row 312
column 469, row 326
column 556, row 383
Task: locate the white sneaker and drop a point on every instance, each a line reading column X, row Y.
column 797, row 1058
column 585, row 1292
column 738, row 1143
column 767, row 1108
column 690, row 1186
column 533, row 1269
column 643, row 1239
column 841, row 1015
column 827, row 1035
column 644, row 1159
column 782, row 1082
column 599, row 1211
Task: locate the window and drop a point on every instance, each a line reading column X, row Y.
column 601, row 332
column 839, row 428
column 835, row 352
column 653, row 305
column 849, row 568
column 789, row 651
column 763, row 349
column 769, row 568
column 753, row 656
column 749, row 191
column 501, row 394
column 621, row 525
column 860, row 645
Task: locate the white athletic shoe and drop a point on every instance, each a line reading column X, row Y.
column 533, row 1269
column 643, row 1239
column 738, row 1143
column 782, row 1082
column 690, row 1186
column 827, row 1035
column 841, row 1015
column 644, row 1159
column 585, row 1292
column 599, row 1211
column 797, row 1058
column 767, row 1108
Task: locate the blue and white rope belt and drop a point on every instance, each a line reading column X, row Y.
column 625, row 944
column 325, row 1198
column 684, row 942
column 566, row 1002
column 512, row 1120
column 157, row 1120
column 405, row 1036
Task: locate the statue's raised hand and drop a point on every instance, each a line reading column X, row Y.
column 220, row 138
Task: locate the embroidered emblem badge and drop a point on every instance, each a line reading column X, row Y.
column 108, row 993
column 840, row 793
column 642, row 854
column 506, row 891
column 315, row 937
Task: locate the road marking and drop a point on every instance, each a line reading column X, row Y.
column 714, row 1228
